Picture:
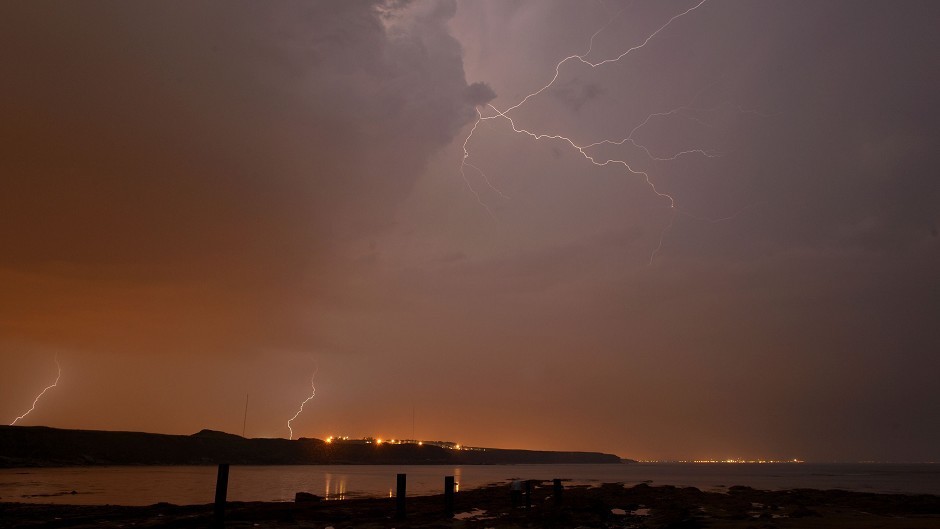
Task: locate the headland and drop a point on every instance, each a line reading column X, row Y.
column 39, row 446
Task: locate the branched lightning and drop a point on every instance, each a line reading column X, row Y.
column 583, row 150
column 582, row 58
column 464, row 164
column 490, row 112
column 43, row 392
column 313, row 393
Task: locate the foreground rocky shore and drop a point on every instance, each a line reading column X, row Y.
column 607, row 506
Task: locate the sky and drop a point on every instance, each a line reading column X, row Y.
column 203, row 201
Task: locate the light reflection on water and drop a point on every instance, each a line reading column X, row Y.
column 195, row 485
column 338, row 490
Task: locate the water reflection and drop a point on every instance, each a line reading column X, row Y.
column 195, row 485
column 335, row 488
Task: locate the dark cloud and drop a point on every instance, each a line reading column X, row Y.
column 480, row 94
column 575, row 93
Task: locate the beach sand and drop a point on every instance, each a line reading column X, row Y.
column 607, row 506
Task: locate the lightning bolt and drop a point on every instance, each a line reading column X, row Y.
column 43, row 392
column 313, row 393
column 582, row 58
column 490, row 112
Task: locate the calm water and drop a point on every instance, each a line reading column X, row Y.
column 193, row 485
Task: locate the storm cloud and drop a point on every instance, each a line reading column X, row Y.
column 205, row 199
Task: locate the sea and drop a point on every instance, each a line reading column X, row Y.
column 186, row 485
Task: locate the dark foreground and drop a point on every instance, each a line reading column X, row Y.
column 608, row 506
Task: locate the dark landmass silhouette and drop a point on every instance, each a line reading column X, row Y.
column 31, row 446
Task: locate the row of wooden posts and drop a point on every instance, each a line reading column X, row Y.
column 221, row 492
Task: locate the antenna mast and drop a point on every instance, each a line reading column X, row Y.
column 245, row 421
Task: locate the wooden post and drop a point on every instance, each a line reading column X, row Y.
column 221, row 491
column 449, row 495
column 528, row 494
column 515, row 493
column 400, row 498
column 558, row 489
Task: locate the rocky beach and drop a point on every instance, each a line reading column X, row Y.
column 610, row 505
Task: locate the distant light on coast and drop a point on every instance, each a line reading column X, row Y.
column 727, row 461
column 448, row 445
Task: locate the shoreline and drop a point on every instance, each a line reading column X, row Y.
column 607, row 505
column 41, row 446
column 187, row 485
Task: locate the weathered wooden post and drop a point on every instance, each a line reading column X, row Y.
column 221, row 491
column 449, row 495
column 515, row 493
column 528, row 494
column 400, row 498
column 557, row 492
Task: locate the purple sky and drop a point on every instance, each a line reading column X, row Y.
column 201, row 200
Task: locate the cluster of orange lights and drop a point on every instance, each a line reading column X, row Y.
column 379, row 441
column 374, row 440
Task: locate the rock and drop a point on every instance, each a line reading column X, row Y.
column 802, row 512
column 306, row 497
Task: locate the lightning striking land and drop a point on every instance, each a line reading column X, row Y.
column 313, row 393
column 490, row 112
column 41, row 393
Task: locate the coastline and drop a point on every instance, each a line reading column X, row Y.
column 185, row 485
column 608, row 505
column 40, row 446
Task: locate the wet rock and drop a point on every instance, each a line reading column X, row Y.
column 306, row 497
